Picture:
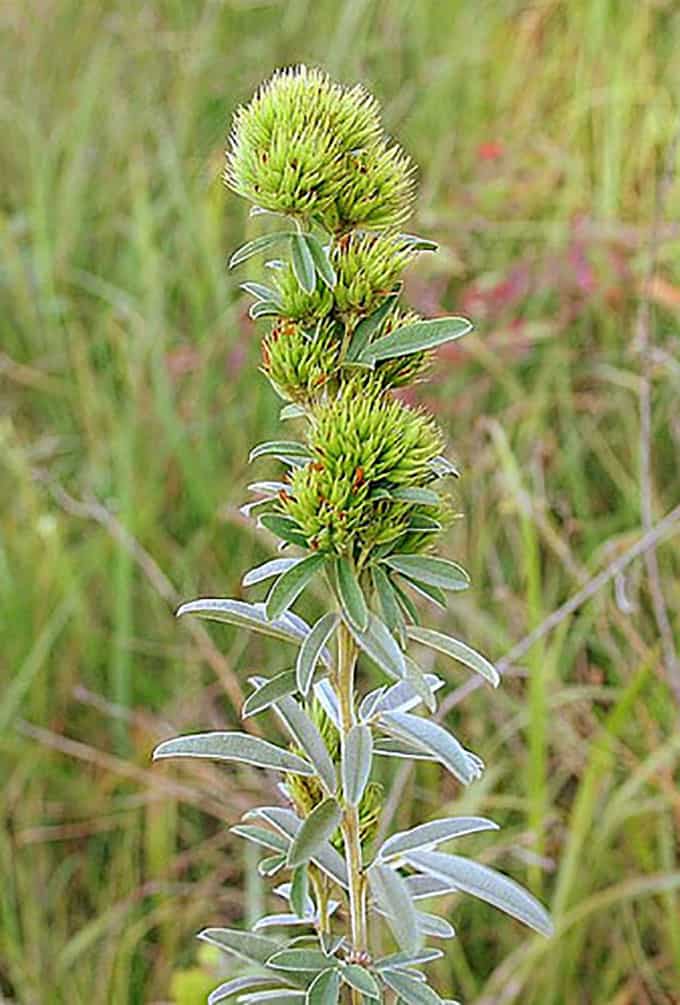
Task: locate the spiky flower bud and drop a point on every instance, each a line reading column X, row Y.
column 312, row 149
column 299, row 362
column 366, row 446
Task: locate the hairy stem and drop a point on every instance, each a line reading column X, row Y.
column 347, row 655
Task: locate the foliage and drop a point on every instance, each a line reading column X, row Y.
column 361, row 498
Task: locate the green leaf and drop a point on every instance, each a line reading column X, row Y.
column 357, row 754
column 288, row 824
column 430, row 570
column 486, row 884
column 434, row 740
column 264, row 309
column 433, row 925
column 270, row 866
column 261, row 292
column 298, row 959
column 410, row 989
column 359, row 978
column 432, row 593
column 457, row 650
column 264, row 697
column 240, row 747
column 284, row 527
column 324, row 989
column 390, row 747
column 303, row 263
column 291, row 411
column 268, row 570
column 423, row 497
column 350, row 594
column 252, row 948
column 290, row 585
column 311, row 650
column 316, row 829
column 420, row 684
column 260, row 836
column 236, row 612
column 321, row 261
column 368, row 326
column 299, row 889
column 429, row 835
column 419, row 243
column 402, row 959
column 388, row 601
column 402, row 697
column 277, row 448
column 379, row 644
column 442, row 467
column 417, row 337
column 235, row 986
column 394, row 900
column 260, row 244
column 274, row 997
column 307, row 735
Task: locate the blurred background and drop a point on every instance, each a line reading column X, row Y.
column 546, row 134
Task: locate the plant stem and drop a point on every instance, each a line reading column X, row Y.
column 347, row 655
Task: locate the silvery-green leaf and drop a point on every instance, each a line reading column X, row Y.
column 390, row 747
column 305, row 732
column 401, row 697
column 369, row 703
column 268, row 488
column 430, row 570
column 261, row 292
column 324, row 989
column 379, row 644
column 245, row 945
column 234, row 746
column 486, row 884
column 303, row 263
column 286, row 890
column 357, row 753
column 260, row 244
column 418, row 681
column 270, row 866
column 429, row 835
column 422, row 887
column 278, row 448
column 265, row 696
column 419, row 243
column 421, row 496
column 388, row 601
column 457, row 650
column 410, row 990
column 288, row 824
column 298, row 959
column 290, row 585
column 276, row 997
column 285, row 527
column 327, row 698
column 269, row 569
column 291, row 411
column 434, row 740
column 404, row 959
column 237, row 985
column 264, row 309
column 394, row 900
column 442, row 467
column 432, row 593
column 260, row 836
column 311, row 650
column 299, row 890
column 321, row 261
column 366, row 328
column 237, row 612
column 408, row 607
column 350, row 595
column 434, row 926
column 420, row 336
column 315, row 831
column 359, row 978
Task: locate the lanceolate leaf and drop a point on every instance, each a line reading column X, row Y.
column 418, row 681
column 320, row 825
column 424, row 497
column 268, row 570
column 284, row 527
column 324, row 989
column 357, row 752
column 409, row 989
column 303, row 263
column 350, row 594
column 264, row 309
column 252, row 616
column 366, row 328
column 290, row 585
column 236, row 986
column 392, row 896
column 430, row 570
column 260, row 244
column 431, row 925
column 419, row 243
column 311, row 650
column 253, row 948
column 239, row 747
column 379, row 644
column 280, row 448
column 275, row 997
column 486, row 884
column 261, row 292
column 359, row 978
column 260, row 836
column 417, row 337
column 299, row 887
column 390, row 747
column 403, row 959
column 304, row 731
column 387, row 599
column 457, row 650
column 402, row 697
column 270, row 866
column 264, row 697
column 288, row 824
column 435, row 740
column 321, row 261
column 429, row 835
column 298, row 959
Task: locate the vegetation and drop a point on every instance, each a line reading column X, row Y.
column 129, row 405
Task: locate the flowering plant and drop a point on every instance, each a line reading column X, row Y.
column 359, row 506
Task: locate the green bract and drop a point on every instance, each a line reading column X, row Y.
column 355, row 494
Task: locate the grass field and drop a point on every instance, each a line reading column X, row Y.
column 547, row 134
